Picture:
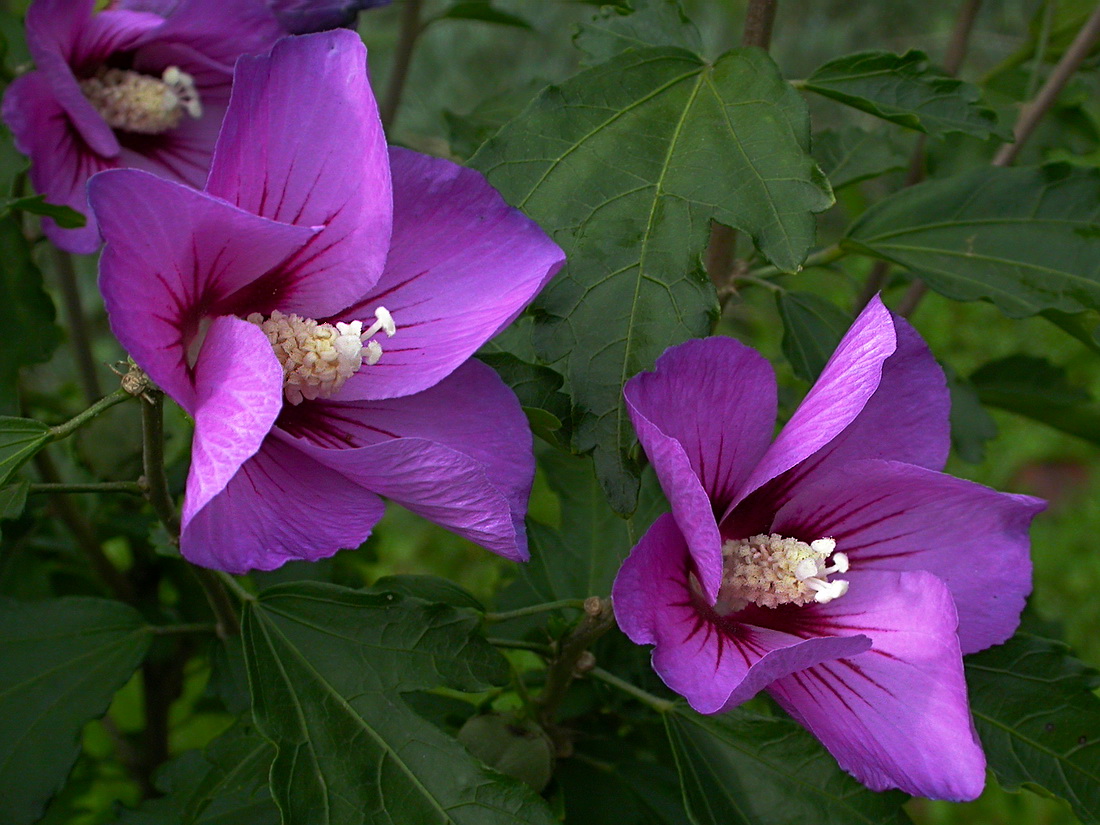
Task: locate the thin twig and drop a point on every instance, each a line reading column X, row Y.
column 534, row 609
column 1029, row 118
column 571, row 660
column 402, row 57
column 77, row 421
column 235, row 587
column 1034, row 111
column 658, row 704
column 953, row 58
column 92, row 487
column 76, row 323
column 175, row 629
column 155, row 480
column 519, row 644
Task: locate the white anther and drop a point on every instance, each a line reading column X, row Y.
column 806, row 569
column 839, row 564
column 823, row 546
column 827, row 591
column 373, row 353
column 384, row 323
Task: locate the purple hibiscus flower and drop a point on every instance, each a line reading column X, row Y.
column 317, row 321
column 124, row 88
column 835, row 566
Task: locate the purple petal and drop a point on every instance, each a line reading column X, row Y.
column 891, row 516
column 458, row 454
column 302, row 144
column 303, row 16
column 238, row 395
column 172, row 254
column 897, row 715
column 280, row 506
column 61, row 162
column 220, row 30
column 705, row 417
column 713, row 661
column 182, row 154
column 839, row 395
column 462, row 265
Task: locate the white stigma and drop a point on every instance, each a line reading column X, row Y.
column 318, row 358
column 135, row 102
column 771, row 570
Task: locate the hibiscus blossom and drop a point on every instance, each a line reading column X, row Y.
column 295, row 16
column 122, row 88
column 835, row 566
column 317, row 322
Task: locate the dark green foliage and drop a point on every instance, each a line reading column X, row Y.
column 850, row 155
column 812, row 327
column 635, row 224
column 61, row 660
column 1039, row 719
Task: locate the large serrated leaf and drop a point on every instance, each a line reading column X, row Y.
column 1026, row 239
column 852, row 154
column 904, row 89
column 725, row 141
column 649, row 23
column 61, row 661
column 20, row 439
column 740, row 768
column 1038, row 719
column 326, row 668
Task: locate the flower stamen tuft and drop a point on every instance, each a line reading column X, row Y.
column 772, row 570
column 135, row 102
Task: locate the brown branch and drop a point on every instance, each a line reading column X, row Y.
column 759, row 21
column 1030, row 116
column 402, row 57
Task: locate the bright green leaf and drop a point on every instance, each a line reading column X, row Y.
column 1027, row 239
column 1038, row 719
column 615, row 29
column 812, row 327
column 20, row 438
column 740, row 768
column 61, row 661
column 1039, row 390
column 726, row 141
column 327, row 666
column 853, row 154
column 904, row 89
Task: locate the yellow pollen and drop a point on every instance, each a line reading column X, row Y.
column 772, row 570
column 135, row 102
column 318, row 358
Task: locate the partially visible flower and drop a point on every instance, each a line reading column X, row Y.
column 295, row 16
column 835, row 566
column 318, row 323
column 122, row 88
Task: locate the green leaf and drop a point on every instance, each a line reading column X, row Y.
column 1026, row 239
column 740, row 768
column 467, row 132
column 327, row 666
column 1038, row 719
column 482, row 10
column 1039, row 390
column 906, row 90
column 13, row 498
column 538, row 389
column 63, row 216
column 812, row 327
column 581, row 557
column 429, row 589
column 615, row 29
column 621, row 790
column 61, row 661
column 725, row 141
column 853, row 154
column 20, row 438
column 224, row 785
column 26, row 311
column 971, row 424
